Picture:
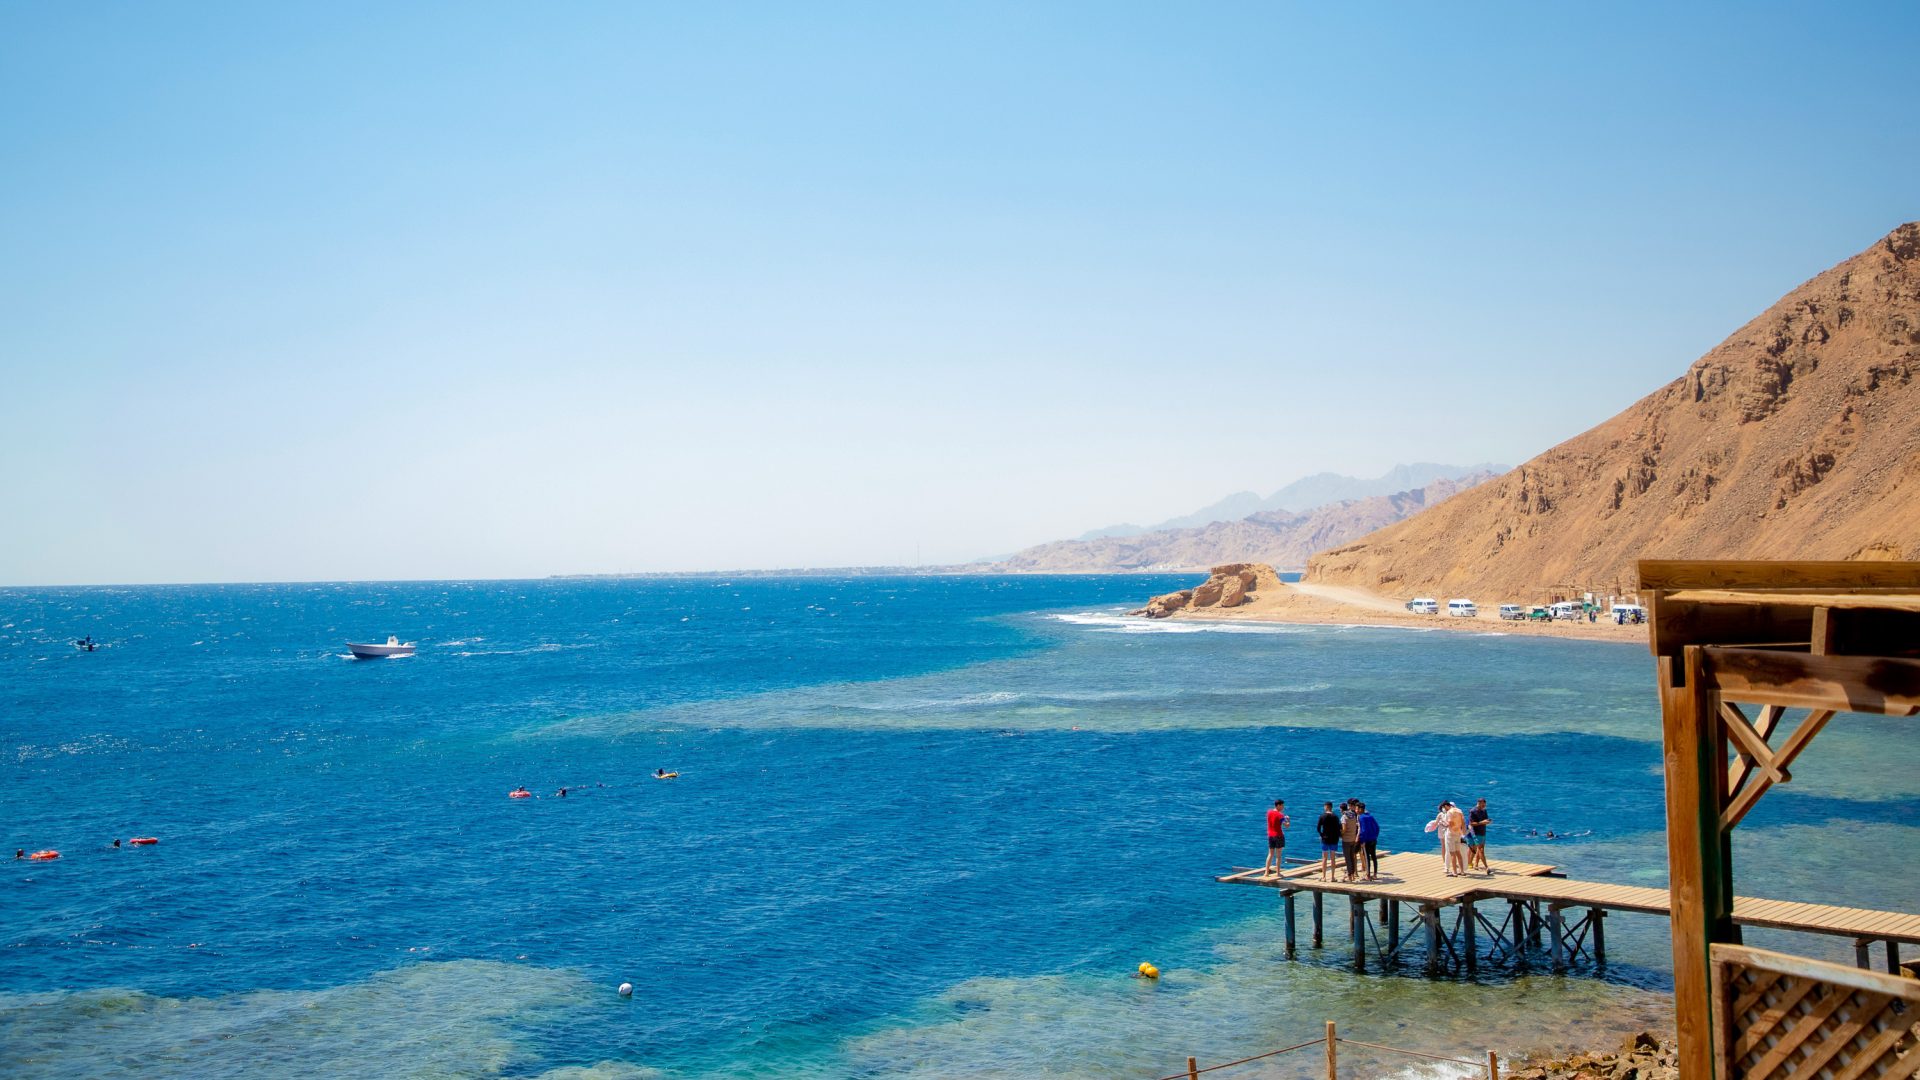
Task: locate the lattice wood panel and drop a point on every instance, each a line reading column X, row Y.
column 1780, row 1017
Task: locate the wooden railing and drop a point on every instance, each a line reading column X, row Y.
column 1332, row 1043
column 1777, row 1015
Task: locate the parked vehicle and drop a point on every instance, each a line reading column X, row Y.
column 1568, row 609
column 1539, row 614
column 1627, row 613
column 1512, row 612
column 1462, row 609
column 1424, row 605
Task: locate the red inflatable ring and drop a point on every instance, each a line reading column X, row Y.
column 142, row 841
column 519, row 794
column 45, row 856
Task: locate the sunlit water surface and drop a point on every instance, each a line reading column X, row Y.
column 923, row 827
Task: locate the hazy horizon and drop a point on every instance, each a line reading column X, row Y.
column 444, row 292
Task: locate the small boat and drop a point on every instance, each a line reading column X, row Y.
column 393, row 647
column 86, row 644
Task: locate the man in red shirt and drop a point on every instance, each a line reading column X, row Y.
column 1277, row 822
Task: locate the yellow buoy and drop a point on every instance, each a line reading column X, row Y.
column 1148, row 971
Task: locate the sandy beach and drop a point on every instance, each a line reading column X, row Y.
column 1340, row 605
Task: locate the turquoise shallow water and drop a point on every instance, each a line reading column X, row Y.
column 924, row 827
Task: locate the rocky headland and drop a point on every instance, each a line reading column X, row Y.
column 1228, row 586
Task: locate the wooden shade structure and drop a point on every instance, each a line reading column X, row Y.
column 1737, row 644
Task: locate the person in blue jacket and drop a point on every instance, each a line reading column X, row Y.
column 1369, row 842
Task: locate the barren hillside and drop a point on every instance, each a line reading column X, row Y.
column 1796, row 438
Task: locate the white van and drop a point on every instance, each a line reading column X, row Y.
column 1462, row 609
column 1512, row 612
column 1567, row 609
column 1424, row 605
column 1627, row 613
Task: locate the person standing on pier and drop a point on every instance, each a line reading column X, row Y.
column 1477, row 822
column 1277, row 822
column 1454, row 829
column 1350, row 837
column 1329, row 829
column 1369, row 841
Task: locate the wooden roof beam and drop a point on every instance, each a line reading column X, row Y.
column 1888, row 686
column 1672, row 575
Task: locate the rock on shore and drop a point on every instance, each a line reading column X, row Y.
column 1641, row 1058
column 1228, row 586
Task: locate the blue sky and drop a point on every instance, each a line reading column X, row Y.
column 373, row 291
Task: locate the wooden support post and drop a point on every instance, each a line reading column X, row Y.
column 1383, row 909
column 1393, row 929
column 1473, row 952
column 1556, row 922
column 1287, row 898
column 1693, row 742
column 1893, row 957
column 1493, row 1066
column 1863, row 954
column 1533, row 920
column 1193, row 1069
column 1319, row 916
column 1598, row 920
column 1518, row 910
column 1430, row 918
column 1357, row 922
column 1333, row 1055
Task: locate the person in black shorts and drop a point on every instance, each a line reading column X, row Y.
column 1277, row 822
column 1329, row 830
column 1477, row 822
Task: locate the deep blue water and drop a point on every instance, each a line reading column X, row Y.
column 922, row 825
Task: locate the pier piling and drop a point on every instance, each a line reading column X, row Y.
column 1557, row 924
column 1473, row 952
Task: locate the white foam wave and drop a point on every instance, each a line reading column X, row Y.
column 1134, row 624
column 543, row 647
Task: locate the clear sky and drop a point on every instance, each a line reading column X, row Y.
column 320, row 291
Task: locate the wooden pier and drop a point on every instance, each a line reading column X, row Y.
column 1503, row 916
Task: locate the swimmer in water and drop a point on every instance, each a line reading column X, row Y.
column 116, row 842
column 659, row 774
column 19, row 853
column 562, row 793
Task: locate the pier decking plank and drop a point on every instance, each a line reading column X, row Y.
column 1404, row 875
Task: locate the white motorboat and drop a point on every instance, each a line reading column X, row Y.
column 393, row 647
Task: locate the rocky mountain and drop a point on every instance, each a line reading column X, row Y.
column 1796, row 438
column 1278, row 537
column 1306, row 493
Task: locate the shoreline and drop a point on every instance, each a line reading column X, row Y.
column 1304, row 603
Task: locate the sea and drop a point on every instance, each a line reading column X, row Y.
column 922, row 827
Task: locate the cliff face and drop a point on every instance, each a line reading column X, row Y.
column 1796, row 438
column 1275, row 536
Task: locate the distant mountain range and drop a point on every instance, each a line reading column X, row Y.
column 1305, row 494
column 1798, row 437
column 1281, row 538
